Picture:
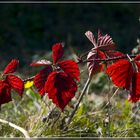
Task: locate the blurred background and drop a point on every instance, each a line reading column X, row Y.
column 28, row 31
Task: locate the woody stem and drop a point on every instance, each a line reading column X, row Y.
column 29, row 79
column 108, row 59
column 78, row 101
column 109, row 111
column 90, row 60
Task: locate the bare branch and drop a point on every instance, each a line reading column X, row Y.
column 23, row 131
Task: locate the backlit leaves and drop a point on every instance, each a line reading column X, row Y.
column 121, row 73
column 126, row 74
column 61, row 88
column 113, row 53
column 135, row 91
column 9, row 82
column 105, row 42
column 15, row 83
column 11, row 67
column 41, row 63
column 41, row 78
column 93, row 66
column 91, row 37
column 57, row 79
column 58, row 51
column 5, row 92
column 101, row 50
column 71, row 68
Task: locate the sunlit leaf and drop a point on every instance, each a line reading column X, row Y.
column 61, row 88
column 11, row 67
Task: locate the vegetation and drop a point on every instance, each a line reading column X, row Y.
column 94, row 92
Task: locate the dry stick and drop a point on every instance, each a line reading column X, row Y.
column 109, row 113
column 23, row 131
column 56, row 120
column 104, row 106
column 111, row 97
column 108, row 104
column 78, row 102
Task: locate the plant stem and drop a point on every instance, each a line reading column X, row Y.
column 91, row 60
column 78, row 101
column 29, row 79
column 108, row 59
column 23, row 131
column 111, row 98
column 108, row 109
column 109, row 118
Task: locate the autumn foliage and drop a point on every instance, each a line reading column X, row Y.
column 9, row 81
column 58, row 79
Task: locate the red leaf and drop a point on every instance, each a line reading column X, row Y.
column 135, row 91
column 58, row 51
column 95, row 67
column 113, row 53
column 71, row 68
column 100, row 35
column 91, row 37
column 121, row 73
column 137, row 58
column 138, row 66
column 11, row 67
column 60, row 88
column 5, row 92
column 41, row 78
column 41, row 63
column 15, row 83
column 105, row 42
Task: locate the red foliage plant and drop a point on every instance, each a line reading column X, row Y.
column 57, row 78
column 124, row 73
column 103, row 49
column 10, row 81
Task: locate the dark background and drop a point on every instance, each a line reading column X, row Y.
column 30, row 29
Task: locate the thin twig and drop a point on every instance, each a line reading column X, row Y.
column 108, row 59
column 83, row 55
column 46, row 119
column 29, row 79
column 44, row 101
column 90, row 114
column 131, row 115
column 111, row 97
column 109, row 105
column 78, row 102
column 56, row 120
column 90, row 60
column 23, row 131
column 109, row 111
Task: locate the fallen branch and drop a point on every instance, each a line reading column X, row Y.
column 23, row 131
